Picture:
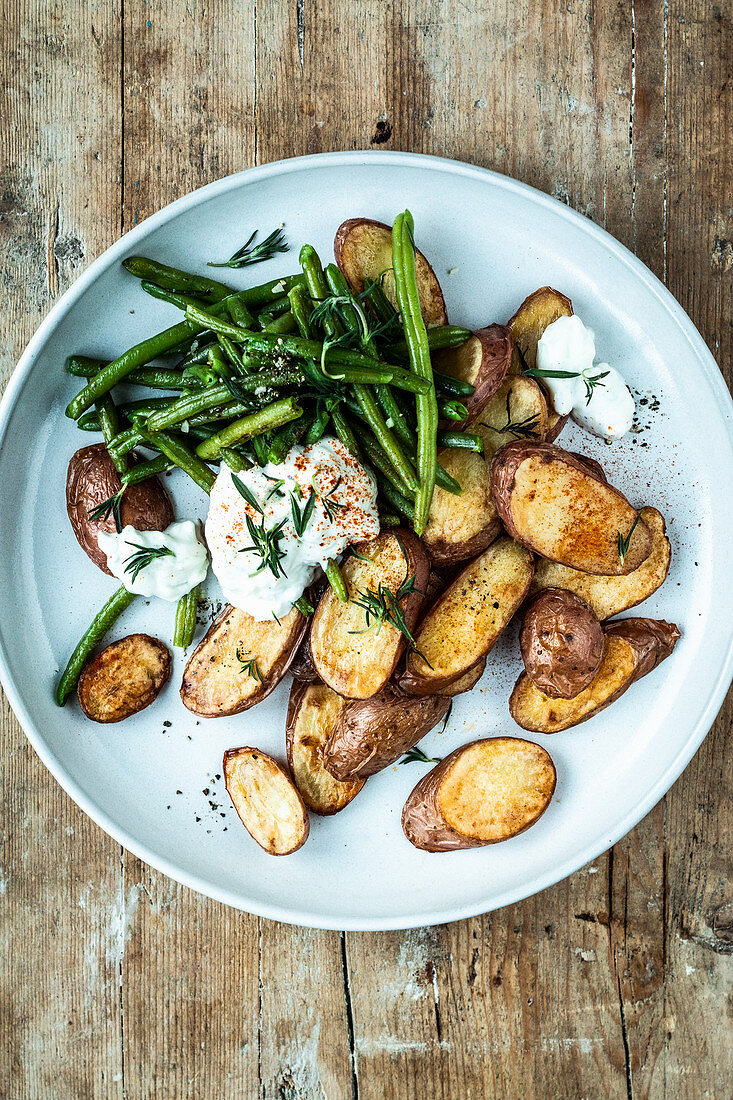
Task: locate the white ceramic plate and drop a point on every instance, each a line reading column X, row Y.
column 154, row 782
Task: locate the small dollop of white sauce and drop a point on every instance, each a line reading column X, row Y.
column 170, row 576
column 605, row 407
column 344, row 512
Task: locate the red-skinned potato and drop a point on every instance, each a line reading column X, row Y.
column 482, row 361
column 536, row 312
column 313, row 713
column 553, row 504
column 363, row 250
column 461, row 525
column 482, row 793
column 633, row 647
column 302, row 667
column 266, row 799
column 562, row 643
column 92, row 479
column 370, row 734
column 124, row 678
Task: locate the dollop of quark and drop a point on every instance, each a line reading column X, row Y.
column 597, row 397
column 168, row 577
column 267, row 544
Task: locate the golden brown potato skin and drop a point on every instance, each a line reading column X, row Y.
column 90, row 480
column 562, row 643
column 537, row 311
column 267, row 801
column 483, row 362
column 124, row 678
column 370, row 734
column 313, row 710
column 465, row 682
column 424, row 823
column 461, row 525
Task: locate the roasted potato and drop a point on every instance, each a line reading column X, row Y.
column 536, row 312
column 355, row 654
column 124, row 678
column 465, row 682
column 562, row 643
column 370, row 734
column 302, row 667
column 313, row 713
column 267, row 801
column 610, row 595
column 91, row 480
column 553, row 504
column 239, row 661
column 481, row 793
column 467, row 618
column 482, row 361
column 462, row 525
column 517, row 410
column 363, row 250
column 633, row 647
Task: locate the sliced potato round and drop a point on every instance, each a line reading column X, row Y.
column 124, row 678
column 266, row 799
column 370, row 734
column 467, row 618
column 518, row 410
column 354, row 656
column 482, row 361
column 363, row 250
column 553, row 504
column 633, row 647
column 461, row 525
column 239, row 661
column 610, row 595
column 313, row 713
column 562, row 643
column 482, row 793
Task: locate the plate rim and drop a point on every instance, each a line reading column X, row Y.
column 442, row 914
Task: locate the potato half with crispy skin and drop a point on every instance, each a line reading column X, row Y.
column 354, row 652
column 267, row 800
column 462, row 525
column 239, row 661
column 302, row 667
column 465, row 682
column 363, row 250
column 482, row 361
column 562, row 643
column 467, row 618
column 518, row 410
column 370, row 734
column 536, row 312
column 313, row 713
column 91, row 480
column 610, row 595
column 554, row 504
column 124, row 678
column 633, row 647
column 482, row 793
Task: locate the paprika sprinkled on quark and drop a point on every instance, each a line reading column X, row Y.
column 270, row 528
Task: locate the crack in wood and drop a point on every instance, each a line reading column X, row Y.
column 349, row 1017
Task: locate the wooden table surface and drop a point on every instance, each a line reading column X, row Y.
column 116, row 982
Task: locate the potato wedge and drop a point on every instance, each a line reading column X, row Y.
column 633, row 647
column 124, row 678
column 465, row 682
column 363, row 250
column 553, row 504
column 466, row 620
column 536, row 312
column 302, row 667
column 239, row 661
column 313, row 712
column 267, row 800
column 562, row 643
column 370, row 734
column 610, row 595
column 482, row 793
column 91, row 480
column 518, row 409
column 356, row 656
column 462, row 525
column 482, row 361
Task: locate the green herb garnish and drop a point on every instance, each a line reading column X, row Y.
column 251, row 253
column 109, row 507
column 591, row 383
column 144, row 556
column 250, row 666
column 301, row 516
column 522, row 429
column 624, row 543
column 266, row 543
column 247, row 493
column 416, row 755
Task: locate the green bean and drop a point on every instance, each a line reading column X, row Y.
column 172, row 278
column 284, row 323
column 155, row 379
column 264, row 420
column 442, row 336
column 380, row 303
column 234, row 460
column 287, row 437
column 395, row 417
column 315, row 281
column 144, row 470
column 396, row 499
column 275, row 309
column 185, row 624
column 89, row 421
column 389, row 519
column 336, row 580
column 454, row 386
column 343, row 431
column 465, row 440
column 109, row 423
column 239, row 313
column 260, row 447
column 146, row 406
column 180, row 455
column 230, row 351
column 452, row 410
column 377, row 458
column 189, row 405
column 81, row 366
column 101, row 623
column 182, row 301
column 403, row 260
column 304, row 606
column 197, row 356
column 301, row 307
column 320, row 423
column 259, row 296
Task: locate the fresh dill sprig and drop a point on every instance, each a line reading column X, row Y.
column 301, row 516
column 246, row 492
column 521, row 429
column 266, row 543
column 416, row 755
column 250, row 666
column 624, row 543
column 251, row 253
column 109, row 507
column 144, row 556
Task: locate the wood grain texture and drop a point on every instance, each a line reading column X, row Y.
column 116, row 982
